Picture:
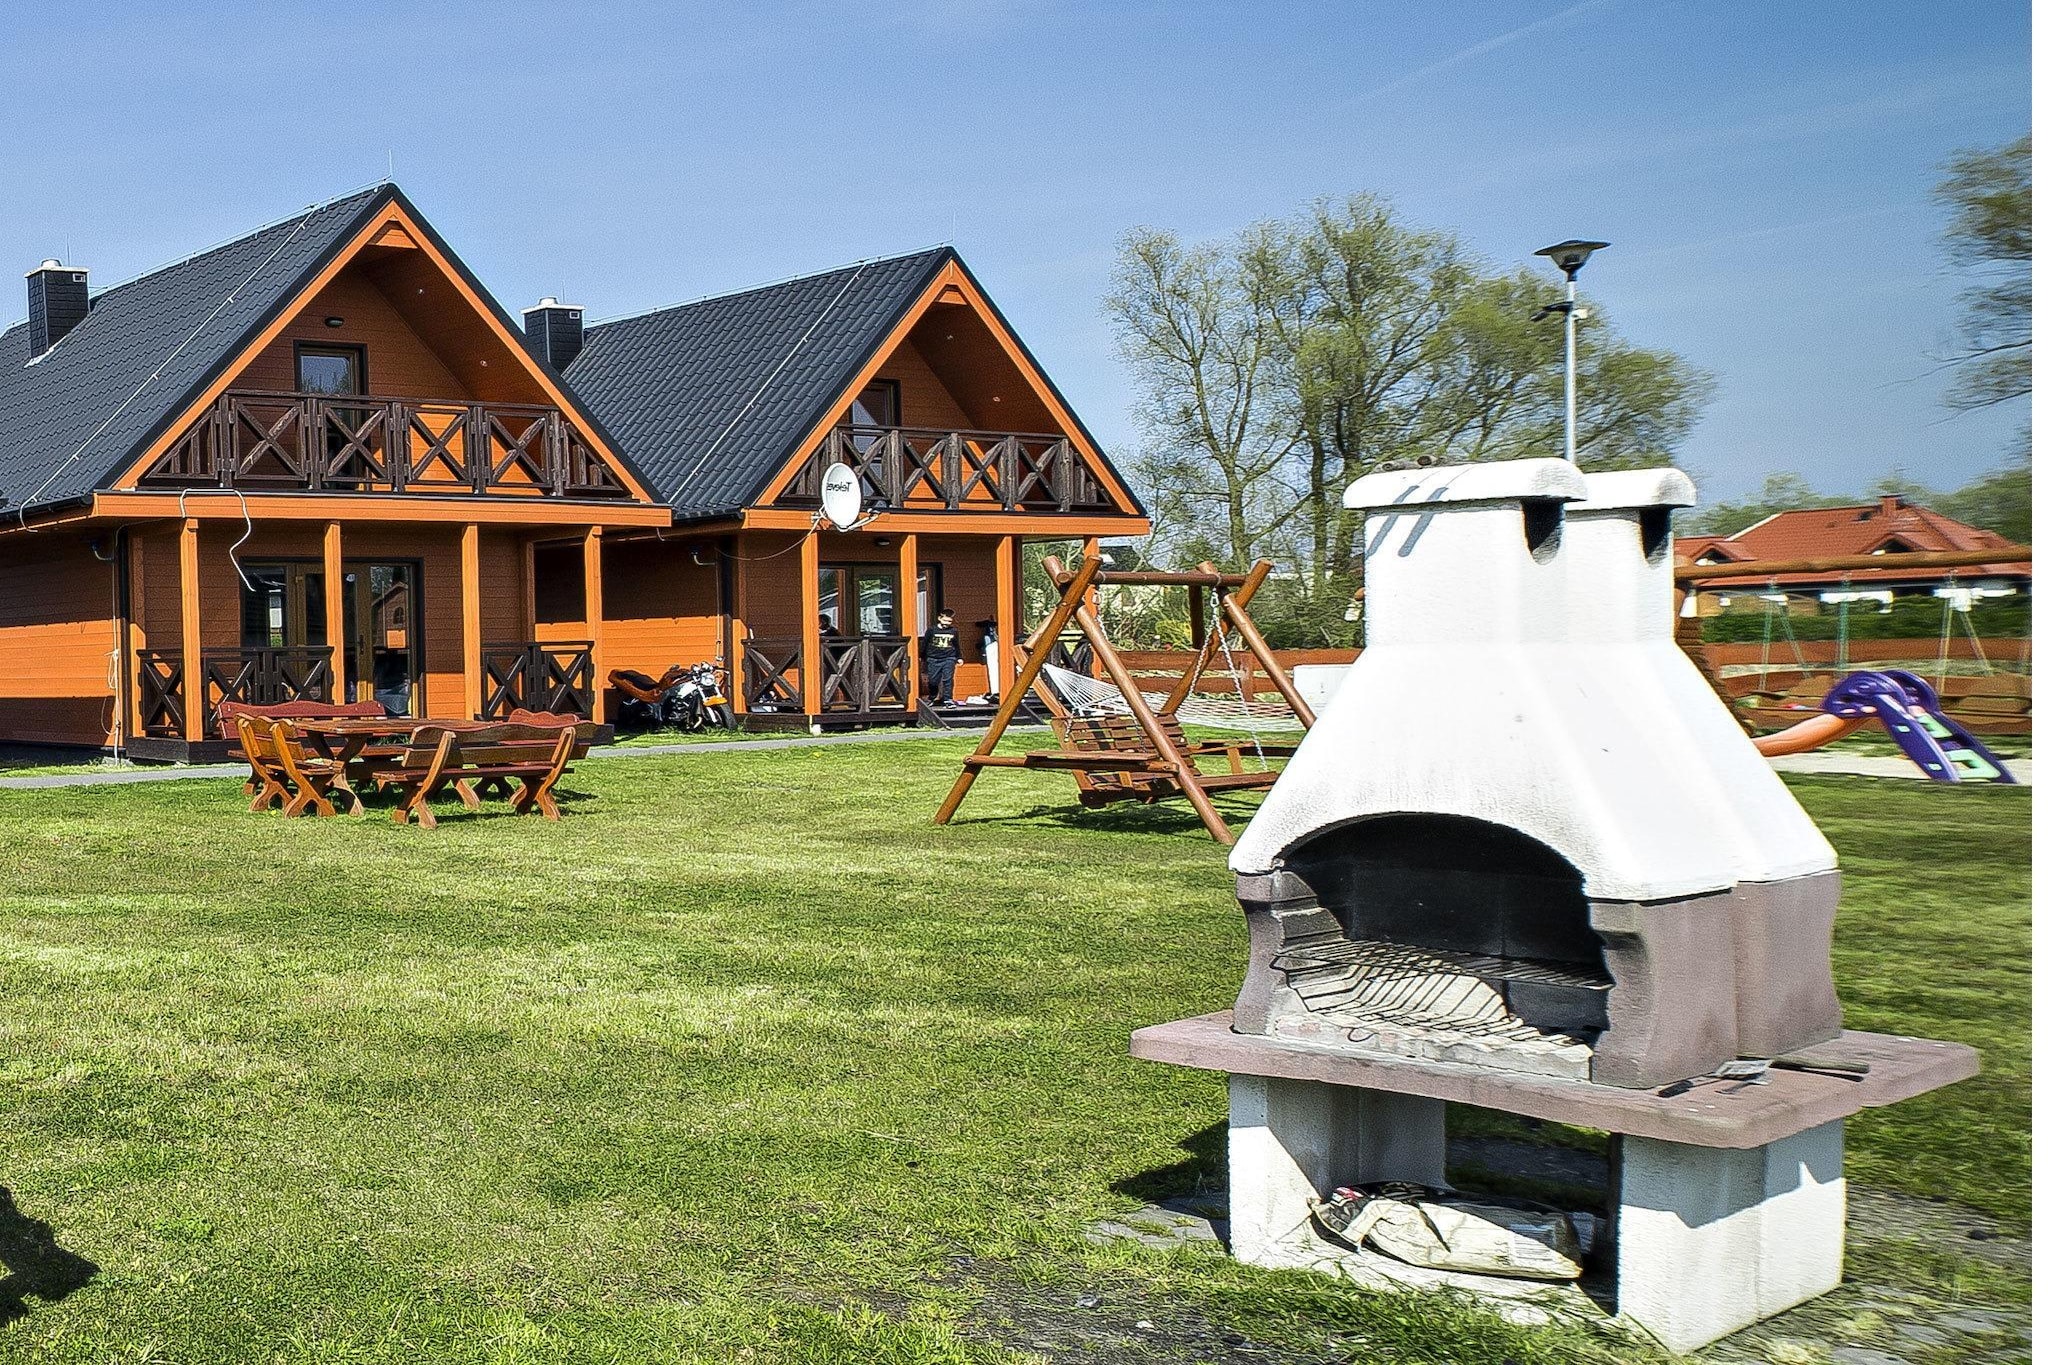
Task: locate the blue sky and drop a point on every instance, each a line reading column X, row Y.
column 1763, row 168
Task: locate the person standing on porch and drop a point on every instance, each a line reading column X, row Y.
column 940, row 650
column 985, row 632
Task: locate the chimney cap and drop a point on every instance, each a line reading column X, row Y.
column 1497, row 481
column 550, row 301
column 1629, row 488
column 52, row 263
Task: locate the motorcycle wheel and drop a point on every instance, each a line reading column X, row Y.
column 720, row 716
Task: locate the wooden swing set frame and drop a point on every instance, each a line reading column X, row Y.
column 1144, row 756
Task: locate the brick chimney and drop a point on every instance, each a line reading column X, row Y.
column 1888, row 504
column 57, row 302
column 554, row 332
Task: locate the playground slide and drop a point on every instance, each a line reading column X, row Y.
column 1910, row 711
column 1806, row 736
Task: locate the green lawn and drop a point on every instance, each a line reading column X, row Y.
column 744, row 1061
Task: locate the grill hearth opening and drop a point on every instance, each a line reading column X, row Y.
column 1440, row 937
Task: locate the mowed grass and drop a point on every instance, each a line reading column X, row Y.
column 743, row 1060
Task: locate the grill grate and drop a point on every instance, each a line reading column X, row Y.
column 1375, row 984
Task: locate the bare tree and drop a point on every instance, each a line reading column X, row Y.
column 1990, row 198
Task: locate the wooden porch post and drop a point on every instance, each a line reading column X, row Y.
column 814, row 645
column 188, row 628
column 330, row 595
column 906, row 580
column 1007, row 588
column 472, row 624
column 593, row 613
column 138, row 635
column 736, row 565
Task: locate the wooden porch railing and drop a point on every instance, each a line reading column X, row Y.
column 254, row 677
column 923, row 467
column 866, row 673
column 540, row 676
column 324, row 443
column 772, row 673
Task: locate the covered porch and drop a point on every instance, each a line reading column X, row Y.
column 427, row 612
column 826, row 627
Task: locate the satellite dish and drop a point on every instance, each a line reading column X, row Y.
column 840, row 495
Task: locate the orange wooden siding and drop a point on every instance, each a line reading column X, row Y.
column 57, row 627
column 400, row 364
column 436, row 549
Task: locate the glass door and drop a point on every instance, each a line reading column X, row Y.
column 857, row 599
column 284, row 606
column 380, row 610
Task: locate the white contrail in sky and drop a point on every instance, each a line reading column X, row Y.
column 1779, row 229
column 1498, row 40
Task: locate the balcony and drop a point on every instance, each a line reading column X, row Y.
column 324, row 443
column 918, row 468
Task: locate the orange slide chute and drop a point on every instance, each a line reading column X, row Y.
column 1807, row 734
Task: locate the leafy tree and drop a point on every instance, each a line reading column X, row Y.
column 1192, row 325
column 1780, row 492
column 2001, row 501
column 1280, row 365
column 1989, row 195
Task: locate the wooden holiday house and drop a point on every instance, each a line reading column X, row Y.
column 320, row 461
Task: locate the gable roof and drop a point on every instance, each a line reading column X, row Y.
column 1891, row 525
column 709, row 398
column 71, row 419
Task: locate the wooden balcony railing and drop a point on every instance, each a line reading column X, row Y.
column 322, row 443
column 254, row 677
column 916, row 467
column 553, row 676
column 862, row 674
column 866, row 673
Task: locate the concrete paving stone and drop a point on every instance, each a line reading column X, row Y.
column 1972, row 1320
column 1864, row 1355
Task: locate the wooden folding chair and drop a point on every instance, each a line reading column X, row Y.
column 278, row 759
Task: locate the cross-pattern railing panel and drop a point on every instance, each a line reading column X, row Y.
column 866, row 673
column 918, row 467
column 556, row 676
column 253, row 677
column 325, row 443
column 160, row 692
column 772, row 673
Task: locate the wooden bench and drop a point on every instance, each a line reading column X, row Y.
column 229, row 713
column 1130, row 766
column 533, row 756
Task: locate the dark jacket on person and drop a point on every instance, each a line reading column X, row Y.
column 940, row 642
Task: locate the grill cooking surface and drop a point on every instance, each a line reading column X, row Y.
column 1374, row 983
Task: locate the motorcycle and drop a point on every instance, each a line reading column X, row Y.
column 688, row 698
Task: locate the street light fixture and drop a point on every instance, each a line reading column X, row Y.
column 1570, row 257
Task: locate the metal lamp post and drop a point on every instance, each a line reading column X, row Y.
column 1570, row 257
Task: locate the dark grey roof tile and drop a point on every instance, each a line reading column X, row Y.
column 72, row 419
column 710, row 398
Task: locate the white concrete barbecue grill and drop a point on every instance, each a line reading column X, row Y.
column 1525, row 858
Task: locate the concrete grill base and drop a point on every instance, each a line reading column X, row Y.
column 1729, row 1199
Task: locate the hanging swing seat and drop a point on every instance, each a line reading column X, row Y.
column 1124, row 744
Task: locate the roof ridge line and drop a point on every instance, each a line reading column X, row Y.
column 769, row 284
column 227, row 242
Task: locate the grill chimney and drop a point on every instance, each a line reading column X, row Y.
column 57, row 302
column 554, row 332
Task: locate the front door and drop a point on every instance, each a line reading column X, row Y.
column 381, row 634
